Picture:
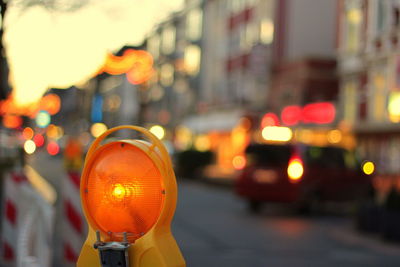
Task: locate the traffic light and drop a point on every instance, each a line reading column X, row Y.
column 128, row 192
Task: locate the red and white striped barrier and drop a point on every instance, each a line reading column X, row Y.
column 27, row 228
column 75, row 227
column 13, row 183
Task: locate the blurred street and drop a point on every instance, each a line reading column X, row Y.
column 280, row 119
column 213, row 228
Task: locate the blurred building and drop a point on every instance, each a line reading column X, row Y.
column 369, row 66
column 176, row 47
column 304, row 65
column 219, row 61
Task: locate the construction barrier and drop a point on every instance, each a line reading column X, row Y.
column 74, row 225
column 27, row 229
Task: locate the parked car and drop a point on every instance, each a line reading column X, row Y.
column 300, row 174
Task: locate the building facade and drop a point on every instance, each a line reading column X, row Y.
column 369, row 67
column 222, row 64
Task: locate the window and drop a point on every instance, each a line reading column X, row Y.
column 167, row 75
column 192, row 59
column 395, row 16
column 380, row 16
column 266, row 31
column 350, row 101
column 154, row 46
column 378, row 94
column 168, row 40
column 353, row 29
column 194, row 22
column 394, row 107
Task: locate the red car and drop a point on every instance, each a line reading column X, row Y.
column 300, row 174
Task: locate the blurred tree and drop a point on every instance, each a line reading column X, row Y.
column 3, row 62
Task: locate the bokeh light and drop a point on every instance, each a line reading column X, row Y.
column 368, row 167
column 183, row 137
column 239, row 162
column 28, row 133
column 85, row 138
column 334, row 136
column 54, row 132
column 98, row 129
column 202, row 143
column 12, row 121
column 29, row 146
column 158, row 131
column 276, row 133
column 43, row 119
column 269, row 119
column 51, row 103
column 295, row 169
column 39, row 140
column 53, row 148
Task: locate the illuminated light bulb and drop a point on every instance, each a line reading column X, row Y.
column 119, row 191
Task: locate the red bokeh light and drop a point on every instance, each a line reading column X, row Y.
column 291, row 115
column 39, row 140
column 53, row 148
column 269, row 119
column 319, row 113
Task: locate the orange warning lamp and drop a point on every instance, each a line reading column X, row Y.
column 128, row 192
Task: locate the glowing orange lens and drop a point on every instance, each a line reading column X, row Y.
column 123, row 192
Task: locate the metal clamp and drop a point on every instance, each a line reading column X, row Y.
column 113, row 254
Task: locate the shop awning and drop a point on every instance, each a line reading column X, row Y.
column 216, row 121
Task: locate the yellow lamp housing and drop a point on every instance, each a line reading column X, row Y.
column 128, row 192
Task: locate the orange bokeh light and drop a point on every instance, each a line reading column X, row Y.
column 137, row 64
column 28, row 133
column 51, row 103
column 116, row 65
column 123, row 192
column 239, row 162
column 12, row 121
column 8, row 106
column 142, row 70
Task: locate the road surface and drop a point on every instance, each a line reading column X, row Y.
column 214, row 229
